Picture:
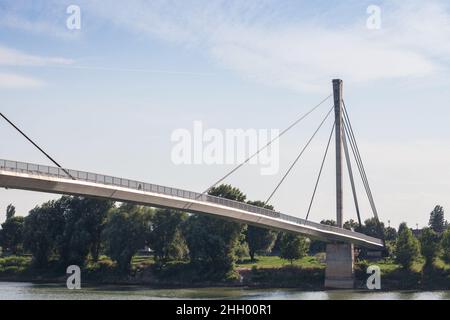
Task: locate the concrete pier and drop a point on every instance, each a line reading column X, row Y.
column 339, row 272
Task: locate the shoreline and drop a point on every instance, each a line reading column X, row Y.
column 144, row 286
column 247, row 283
column 307, row 274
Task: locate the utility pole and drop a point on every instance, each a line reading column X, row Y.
column 337, row 93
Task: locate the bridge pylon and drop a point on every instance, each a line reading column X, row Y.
column 339, row 272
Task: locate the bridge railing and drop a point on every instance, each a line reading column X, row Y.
column 36, row 169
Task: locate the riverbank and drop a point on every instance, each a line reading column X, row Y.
column 306, row 274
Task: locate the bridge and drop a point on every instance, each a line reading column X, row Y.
column 340, row 241
column 35, row 177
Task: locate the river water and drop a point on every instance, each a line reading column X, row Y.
column 30, row 291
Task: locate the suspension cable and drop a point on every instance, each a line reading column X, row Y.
column 302, row 117
column 347, row 123
column 320, row 171
column 298, row 157
column 35, row 145
column 361, row 165
column 350, row 174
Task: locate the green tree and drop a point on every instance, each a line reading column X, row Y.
column 43, row 228
column 429, row 245
column 12, row 234
column 437, row 221
column 213, row 242
column 166, row 238
column 260, row 240
column 10, row 211
column 402, row 227
column 126, row 231
column 445, row 244
column 391, row 234
column 407, row 247
column 317, row 246
column 372, row 227
column 228, row 192
column 351, row 225
column 241, row 250
column 84, row 220
column 329, row 222
column 293, row 247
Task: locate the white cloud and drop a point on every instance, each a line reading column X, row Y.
column 279, row 45
column 305, row 58
column 15, row 81
column 252, row 39
column 12, row 57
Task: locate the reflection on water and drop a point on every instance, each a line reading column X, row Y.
column 29, row 291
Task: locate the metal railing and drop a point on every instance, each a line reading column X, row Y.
column 36, row 169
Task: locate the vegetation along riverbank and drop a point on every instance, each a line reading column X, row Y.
column 115, row 243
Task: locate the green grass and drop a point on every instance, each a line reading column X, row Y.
column 270, row 262
column 14, row 264
column 142, row 261
column 390, row 265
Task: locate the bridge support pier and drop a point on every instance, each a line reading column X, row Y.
column 339, row 272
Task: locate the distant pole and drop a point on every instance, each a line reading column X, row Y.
column 337, row 93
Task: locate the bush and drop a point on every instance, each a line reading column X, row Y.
column 445, row 244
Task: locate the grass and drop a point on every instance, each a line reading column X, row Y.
column 142, row 261
column 271, row 262
column 261, row 262
column 14, row 264
column 389, row 265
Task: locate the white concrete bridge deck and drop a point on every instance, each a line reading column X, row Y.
column 41, row 178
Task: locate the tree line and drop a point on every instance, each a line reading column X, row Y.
column 430, row 242
column 74, row 230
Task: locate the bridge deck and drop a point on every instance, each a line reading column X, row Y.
column 28, row 176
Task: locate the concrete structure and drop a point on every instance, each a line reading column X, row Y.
column 27, row 176
column 337, row 93
column 339, row 273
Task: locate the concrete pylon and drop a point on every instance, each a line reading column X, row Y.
column 339, row 273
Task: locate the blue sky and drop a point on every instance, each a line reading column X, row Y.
column 107, row 97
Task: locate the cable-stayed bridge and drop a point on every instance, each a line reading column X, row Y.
column 34, row 177
column 340, row 250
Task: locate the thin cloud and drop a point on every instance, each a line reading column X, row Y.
column 254, row 41
column 264, row 41
column 16, row 81
column 12, row 57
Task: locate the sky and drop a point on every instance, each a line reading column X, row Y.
column 108, row 96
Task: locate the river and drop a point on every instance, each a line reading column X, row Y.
column 30, row 291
